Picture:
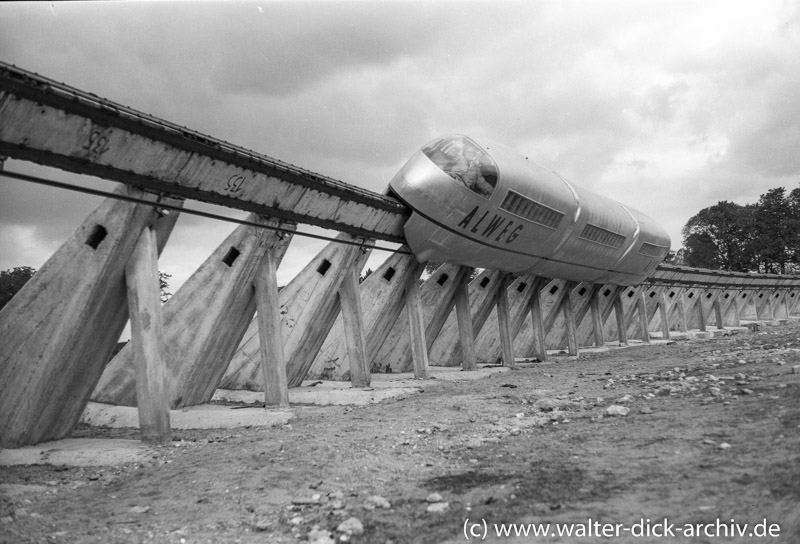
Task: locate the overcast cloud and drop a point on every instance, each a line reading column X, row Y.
column 667, row 106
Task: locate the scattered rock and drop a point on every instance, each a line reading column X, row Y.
column 434, row 497
column 320, row 536
column 626, row 398
column 351, row 526
column 139, row 509
column 746, row 391
column 376, row 501
column 438, row 507
column 304, row 501
column 617, row 410
column 724, row 446
column 646, row 410
column 796, row 369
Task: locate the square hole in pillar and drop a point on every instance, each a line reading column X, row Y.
column 484, row 283
column 97, row 235
column 389, row 274
column 323, row 267
column 521, row 287
column 231, row 256
column 442, row 279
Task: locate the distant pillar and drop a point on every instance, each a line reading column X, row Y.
column 273, row 360
column 504, row 322
column 641, row 309
column 465, row 330
column 416, row 326
column 680, row 307
column 663, row 312
column 701, row 314
column 622, row 325
column 569, row 319
column 147, row 339
column 537, row 320
column 597, row 318
column 718, row 317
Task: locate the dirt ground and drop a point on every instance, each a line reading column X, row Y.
column 712, row 434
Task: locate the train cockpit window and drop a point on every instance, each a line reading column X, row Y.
column 464, row 161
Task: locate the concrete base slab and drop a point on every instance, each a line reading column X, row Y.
column 383, row 387
column 78, row 452
column 204, row 416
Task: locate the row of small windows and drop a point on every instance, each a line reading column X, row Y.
column 599, row 235
column 531, row 210
column 652, row 250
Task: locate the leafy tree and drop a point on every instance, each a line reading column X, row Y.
column 12, row 281
column 720, row 237
column 365, row 275
column 773, row 231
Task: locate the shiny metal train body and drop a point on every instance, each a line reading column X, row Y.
column 489, row 207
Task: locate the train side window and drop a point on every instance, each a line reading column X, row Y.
column 464, row 161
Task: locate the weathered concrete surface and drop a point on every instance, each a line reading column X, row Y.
column 79, row 452
column 203, row 416
column 309, row 307
column 383, row 387
column 203, row 322
column 382, row 303
column 59, row 331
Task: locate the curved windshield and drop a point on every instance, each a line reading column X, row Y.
column 464, row 161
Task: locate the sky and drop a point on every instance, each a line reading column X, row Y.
column 666, row 106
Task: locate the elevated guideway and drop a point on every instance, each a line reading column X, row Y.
column 229, row 323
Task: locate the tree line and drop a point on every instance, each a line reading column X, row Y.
column 763, row 237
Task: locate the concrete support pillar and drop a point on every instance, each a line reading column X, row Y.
column 597, row 317
column 353, row 321
column 382, row 303
column 718, row 316
column 61, row 328
column 569, row 319
column 273, row 360
column 447, row 350
column 504, row 324
column 619, row 311
column 537, row 320
column 680, row 308
column 465, row 329
column 416, row 328
column 437, row 297
column 733, row 308
column 641, row 310
column 310, row 306
column 663, row 312
column 205, row 320
column 147, row 339
column 697, row 304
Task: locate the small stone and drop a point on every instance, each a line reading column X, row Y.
column 351, row 526
column 376, row 501
column 796, row 369
column 297, row 520
column 617, row 410
column 515, row 431
column 646, row 410
column 320, row 536
column 336, row 495
column 438, row 507
column 303, row 501
column 626, row 398
column 434, row 497
column 139, row 509
column 746, row 391
column 6, row 519
column 724, row 446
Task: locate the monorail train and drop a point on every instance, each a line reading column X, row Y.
column 489, row 207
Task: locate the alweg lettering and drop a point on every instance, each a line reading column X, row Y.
column 488, row 228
